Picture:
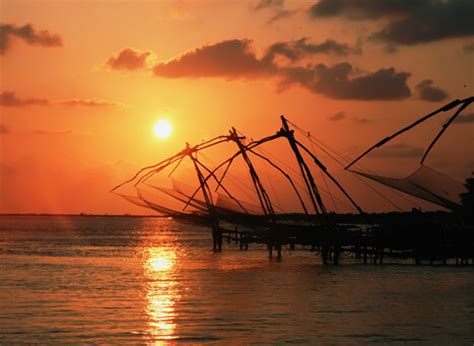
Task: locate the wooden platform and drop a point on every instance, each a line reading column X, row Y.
column 370, row 245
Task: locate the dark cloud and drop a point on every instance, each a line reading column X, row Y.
column 295, row 50
column 281, row 14
column 284, row 49
column 28, row 34
column 384, row 84
column 87, row 103
column 336, row 82
column 362, row 120
column 428, row 92
column 436, row 21
column 235, row 59
column 228, row 59
column 398, row 151
column 364, row 9
column 410, row 21
column 465, row 119
column 128, row 59
column 4, row 130
column 275, row 7
column 338, row 116
column 262, row 4
column 9, row 99
column 328, row 46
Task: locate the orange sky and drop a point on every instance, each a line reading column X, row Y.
column 78, row 102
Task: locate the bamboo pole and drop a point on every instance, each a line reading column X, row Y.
column 264, row 199
column 305, row 171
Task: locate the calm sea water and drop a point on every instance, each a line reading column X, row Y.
column 152, row 280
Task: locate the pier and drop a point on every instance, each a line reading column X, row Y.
column 434, row 246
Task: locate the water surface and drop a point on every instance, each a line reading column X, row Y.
column 152, row 280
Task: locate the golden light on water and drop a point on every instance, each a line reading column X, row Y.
column 162, row 129
column 160, row 263
column 161, row 294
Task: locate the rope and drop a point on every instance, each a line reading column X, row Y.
column 298, row 175
column 322, row 175
column 239, row 181
column 320, row 144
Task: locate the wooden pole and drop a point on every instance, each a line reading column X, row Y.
column 263, row 197
column 312, row 189
column 216, row 231
column 305, row 171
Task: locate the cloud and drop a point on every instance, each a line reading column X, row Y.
column 128, row 59
column 9, row 99
column 295, row 50
column 336, row 82
column 436, row 21
column 428, row 92
column 281, row 14
column 87, row 103
column 398, row 151
column 229, row 59
column 4, row 130
column 361, row 120
column 234, row 59
column 29, row 35
column 263, row 4
column 409, row 22
column 276, row 7
column 338, row 116
column 465, row 119
column 363, row 9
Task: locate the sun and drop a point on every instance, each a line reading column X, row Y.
column 162, row 129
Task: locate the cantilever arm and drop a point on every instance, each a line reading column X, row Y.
column 465, row 104
column 249, row 146
column 286, row 176
column 157, row 170
column 224, row 174
column 225, row 190
column 169, row 160
column 175, row 167
column 325, row 171
column 445, row 108
column 209, row 176
column 148, row 167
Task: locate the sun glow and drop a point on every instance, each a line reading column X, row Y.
column 162, row 129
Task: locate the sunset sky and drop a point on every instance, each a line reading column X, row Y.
column 82, row 84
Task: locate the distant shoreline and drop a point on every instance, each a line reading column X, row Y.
column 80, row 215
column 342, row 216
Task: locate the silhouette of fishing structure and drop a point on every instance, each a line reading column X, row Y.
column 416, row 235
column 212, row 202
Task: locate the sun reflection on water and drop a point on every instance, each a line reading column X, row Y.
column 160, row 268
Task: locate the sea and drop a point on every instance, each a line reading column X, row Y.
column 150, row 280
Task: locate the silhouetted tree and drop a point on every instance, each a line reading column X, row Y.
column 467, row 201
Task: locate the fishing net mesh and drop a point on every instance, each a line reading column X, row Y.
column 425, row 183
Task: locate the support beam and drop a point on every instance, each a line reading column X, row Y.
column 305, row 171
